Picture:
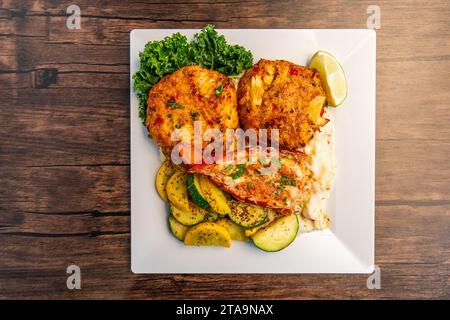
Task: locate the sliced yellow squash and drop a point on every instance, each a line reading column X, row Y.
column 176, row 191
column 208, row 234
column 193, row 215
column 214, row 196
column 236, row 232
column 164, row 173
column 178, row 230
column 250, row 232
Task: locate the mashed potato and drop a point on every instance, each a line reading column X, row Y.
column 322, row 165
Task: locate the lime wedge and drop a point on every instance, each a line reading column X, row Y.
column 332, row 76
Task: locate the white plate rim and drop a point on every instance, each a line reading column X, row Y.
column 355, row 264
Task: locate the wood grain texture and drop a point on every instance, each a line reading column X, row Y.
column 64, row 148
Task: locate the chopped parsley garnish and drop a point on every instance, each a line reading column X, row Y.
column 172, row 104
column 280, row 189
column 240, row 172
column 237, row 174
column 249, row 185
column 288, row 181
column 177, row 126
column 229, row 167
column 285, row 181
column 219, row 91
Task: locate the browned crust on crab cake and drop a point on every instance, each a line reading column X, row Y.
column 186, row 95
column 282, row 95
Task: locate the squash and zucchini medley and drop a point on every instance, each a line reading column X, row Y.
column 201, row 214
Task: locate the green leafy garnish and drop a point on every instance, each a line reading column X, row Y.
column 177, row 126
column 219, row 91
column 172, row 104
column 288, row 181
column 237, row 174
column 241, row 169
column 158, row 59
column 280, row 189
column 211, row 50
column 208, row 49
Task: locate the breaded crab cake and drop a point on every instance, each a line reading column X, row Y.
column 190, row 94
column 282, row 95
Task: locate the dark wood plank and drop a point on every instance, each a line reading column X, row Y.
column 406, row 99
column 65, row 189
column 63, row 224
column 106, row 278
column 64, row 148
column 412, row 170
column 412, row 251
column 412, row 233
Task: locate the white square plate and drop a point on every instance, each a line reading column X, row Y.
column 348, row 247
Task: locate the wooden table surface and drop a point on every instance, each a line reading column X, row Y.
column 65, row 159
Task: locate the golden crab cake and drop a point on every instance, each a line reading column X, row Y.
column 190, row 94
column 282, row 95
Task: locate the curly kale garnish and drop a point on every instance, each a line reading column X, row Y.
column 208, row 49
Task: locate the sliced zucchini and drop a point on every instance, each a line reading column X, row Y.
column 236, row 232
column 177, row 191
column 215, row 197
column 189, row 217
column 208, row 234
column 271, row 216
column 193, row 186
column 277, row 235
column 178, row 230
column 212, row 216
column 247, row 215
column 164, row 173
